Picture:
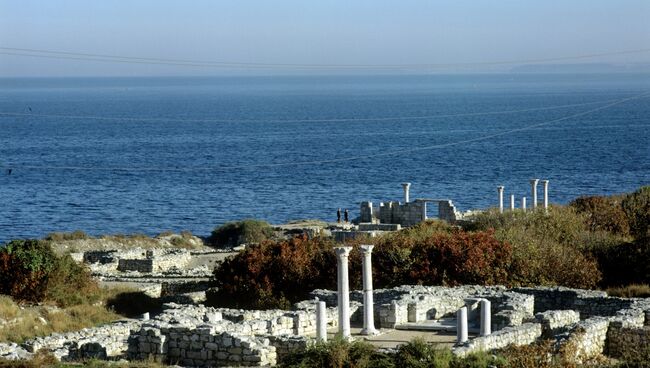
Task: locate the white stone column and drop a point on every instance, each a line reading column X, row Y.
column 512, row 202
column 342, row 254
column 406, row 187
column 321, row 321
column 424, row 210
column 461, row 326
column 523, row 203
column 500, row 191
column 545, row 183
column 486, row 317
column 368, row 307
column 533, row 191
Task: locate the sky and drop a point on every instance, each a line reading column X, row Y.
column 315, row 32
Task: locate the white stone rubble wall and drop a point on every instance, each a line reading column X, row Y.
column 556, row 321
column 106, row 341
column 524, row 334
column 585, row 340
column 202, row 346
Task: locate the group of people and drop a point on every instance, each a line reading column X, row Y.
column 346, row 215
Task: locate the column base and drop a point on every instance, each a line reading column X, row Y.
column 369, row 332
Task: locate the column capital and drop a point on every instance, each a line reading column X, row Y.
column 406, row 185
column 545, row 182
column 342, row 252
column 500, row 187
column 366, row 248
column 534, row 181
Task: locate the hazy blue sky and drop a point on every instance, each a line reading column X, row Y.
column 324, row 32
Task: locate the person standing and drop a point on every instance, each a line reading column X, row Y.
column 346, row 216
column 338, row 216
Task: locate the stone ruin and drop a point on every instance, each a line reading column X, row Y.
column 195, row 335
column 483, row 318
column 408, row 213
column 159, row 272
column 394, row 215
column 158, row 260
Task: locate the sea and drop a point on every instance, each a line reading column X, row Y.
column 147, row 155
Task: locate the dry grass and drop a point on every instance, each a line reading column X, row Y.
column 47, row 360
column 27, row 322
column 630, row 291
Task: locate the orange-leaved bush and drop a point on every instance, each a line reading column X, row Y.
column 460, row 258
column 274, row 274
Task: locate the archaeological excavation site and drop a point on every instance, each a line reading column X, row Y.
column 189, row 331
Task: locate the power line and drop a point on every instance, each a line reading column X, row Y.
column 337, row 160
column 66, row 55
column 333, row 120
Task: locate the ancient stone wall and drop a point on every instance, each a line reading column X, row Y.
column 406, row 214
column 203, row 346
column 196, row 335
column 622, row 340
column 524, row 334
column 585, row 340
column 556, row 321
column 587, row 302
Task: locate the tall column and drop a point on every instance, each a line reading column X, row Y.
column 545, row 183
column 533, row 191
column 512, row 202
column 523, row 203
column 368, row 306
column 321, row 321
column 424, row 210
column 406, row 187
column 342, row 254
column 461, row 326
column 500, row 191
column 486, row 317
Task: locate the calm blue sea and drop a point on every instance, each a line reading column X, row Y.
column 190, row 153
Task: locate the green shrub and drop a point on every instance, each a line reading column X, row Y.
column 240, row 232
column 637, row 207
column 603, row 213
column 31, row 271
column 70, row 283
column 338, row 353
column 24, row 269
column 561, row 224
column 419, row 354
column 414, row 354
column 546, row 248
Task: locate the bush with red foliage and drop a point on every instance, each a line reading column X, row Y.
column 461, row 258
column 24, row 269
column 275, row 274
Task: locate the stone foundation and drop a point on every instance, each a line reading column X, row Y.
column 195, row 335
